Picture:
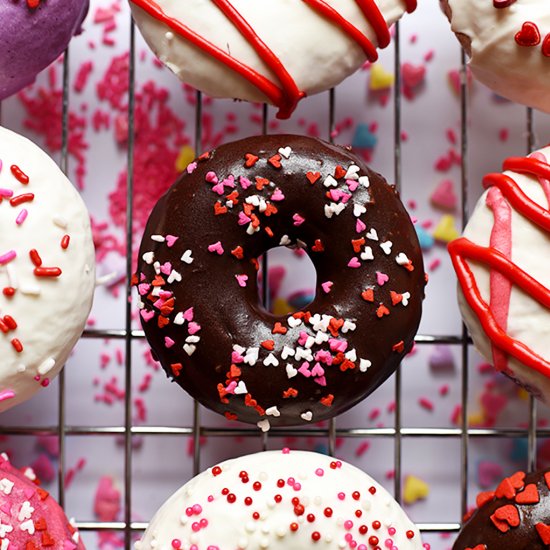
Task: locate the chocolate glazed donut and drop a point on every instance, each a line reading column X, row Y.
column 198, row 293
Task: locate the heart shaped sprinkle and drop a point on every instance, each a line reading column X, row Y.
column 528, row 36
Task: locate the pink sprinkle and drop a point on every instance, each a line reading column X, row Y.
column 381, row 278
column 286, row 450
column 362, row 449
column 216, row 247
column 327, row 286
column 298, row 220
column 168, row 342
column 193, row 328
column 319, row 472
column 21, row 217
column 277, row 195
column 8, row 257
column 503, row 134
column 341, row 496
column 241, row 279
column 245, row 182
column 434, row 264
column 7, row 394
column 146, row 315
column 359, row 226
column 425, row 403
column 5, row 193
column 444, row 390
column 170, row 240
column 188, row 314
column 354, row 263
column 191, row 167
column 374, row 414
column 211, row 177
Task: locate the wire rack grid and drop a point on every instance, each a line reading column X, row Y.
column 196, row 430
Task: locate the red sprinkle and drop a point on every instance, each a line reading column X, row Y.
column 20, row 199
column 35, row 257
column 47, row 271
column 18, row 173
column 17, row 345
column 65, row 242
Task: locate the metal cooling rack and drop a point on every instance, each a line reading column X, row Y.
column 196, row 429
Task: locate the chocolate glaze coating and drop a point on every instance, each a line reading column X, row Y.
column 380, row 328
column 481, row 532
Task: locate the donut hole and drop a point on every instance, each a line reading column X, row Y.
column 291, row 280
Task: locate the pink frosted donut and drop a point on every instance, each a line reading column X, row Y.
column 276, row 52
column 30, row 519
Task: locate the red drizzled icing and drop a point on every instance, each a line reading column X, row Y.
column 500, row 286
column 462, row 249
column 285, row 94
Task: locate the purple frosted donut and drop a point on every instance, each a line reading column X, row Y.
column 33, row 33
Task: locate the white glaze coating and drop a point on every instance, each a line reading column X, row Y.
column 516, row 72
column 48, row 323
column 528, row 321
column 316, row 53
column 307, row 476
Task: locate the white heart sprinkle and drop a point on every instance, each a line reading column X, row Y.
column 386, row 247
column 291, row 372
column 348, row 326
column 174, row 276
column 352, row 172
column 179, row 319
column 187, row 257
column 239, row 349
column 358, row 210
column 338, row 208
column 193, row 339
column 321, row 338
column 293, row 322
column 148, row 257
column 364, row 181
column 402, row 259
column 329, row 210
column 307, row 416
column 285, row 152
column 330, row 182
column 405, row 298
column 158, row 238
column 251, row 356
column 263, row 425
column 351, row 355
column 287, row 352
column 189, row 349
column 285, row 241
column 240, row 388
column 271, row 360
column 364, row 364
column 372, row 235
column 367, row 253
column 273, row 411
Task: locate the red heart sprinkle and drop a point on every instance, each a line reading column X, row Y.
column 529, row 495
column 339, row 172
column 268, row 344
column 546, row 46
column 313, row 177
column 40, row 524
column 547, row 479
column 234, row 371
column 368, row 295
column 335, row 325
column 502, row 526
column 505, row 489
column 478, row 547
column 230, row 416
column 484, row 497
column 47, row 540
column 162, row 321
column 261, row 182
column 399, row 347
column 250, row 159
column 517, row 480
column 318, row 246
column 544, row 532
column 275, row 161
column 508, row 513
column 279, row 329
column 176, row 369
column 357, row 244
column 327, row 401
column 381, row 311
column 219, row 209
column 395, row 298
column 529, row 35
column 238, row 252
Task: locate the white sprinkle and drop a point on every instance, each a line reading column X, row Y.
column 240, row 388
column 406, row 297
column 156, row 267
column 31, row 290
column 263, row 425
column 174, row 276
column 358, row 210
column 402, row 259
column 285, row 152
column 367, row 254
column 21, row 368
column 5, row 529
column 6, row 486
column 364, row 365
column 179, row 319
column 330, row 182
column 193, row 339
column 187, row 257
column 148, row 257
column 287, row 352
column 273, row 411
column 271, row 360
column 307, row 416
column 372, row 235
column 46, row 366
column 293, row 322
column 26, row 511
column 291, row 372
column 364, row 181
column 348, row 326
column 285, row 241
column 351, row 174
column 239, row 349
column 12, row 276
column 251, row 356
column 158, row 238
column 386, row 247
column 189, row 349
column 60, row 222
column 351, row 355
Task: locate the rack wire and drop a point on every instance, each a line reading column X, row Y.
column 196, row 430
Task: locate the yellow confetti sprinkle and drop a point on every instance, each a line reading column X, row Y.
column 380, row 79
column 415, row 489
column 446, row 230
column 186, row 157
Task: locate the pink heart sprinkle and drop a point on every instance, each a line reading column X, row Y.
column 188, row 314
column 211, row 177
column 218, row 188
column 245, row 182
column 170, row 240
column 146, row 315
column 168, row 342
column 335, row 194
column 236, row 357
column 327, row 286
column 231, row 387
column 229, row 182
column 321, row 380
column 359, row 226
column 303, row 338
column 277, row 195
column 193, row 328
column 345, row 197
column 216, row 247
column 166, row 268
column 243, row 219
column 298, row 220
column 241, row 279
column 381, row 278
column 317, row 370
column 352, row 185
column 191, row 167
column 304, row 369
column 354, row 263
column 143, row 288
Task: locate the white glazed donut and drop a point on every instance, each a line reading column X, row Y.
column 281, row 500
column 291, row 47
column 509, row 46
column 47, row 268
column 506, row 305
